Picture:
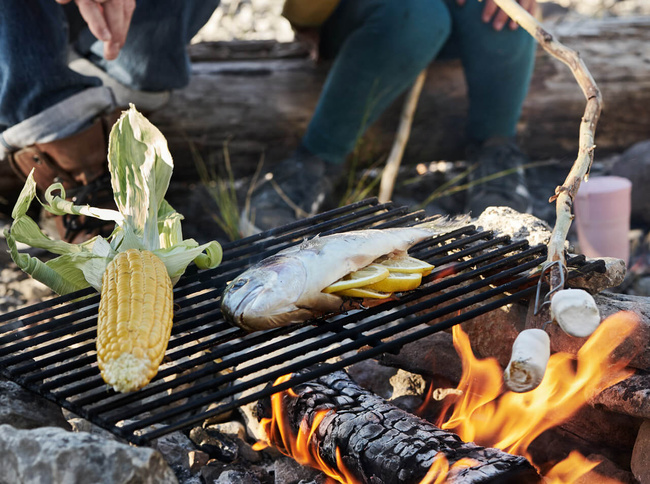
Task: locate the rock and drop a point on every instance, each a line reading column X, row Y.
column 595, row 282
column 605, row 472
column 630, row 397
column 79, row 424
column 405, row 383
column 197, row 459
column 50, row 454
column 288, row 471
column 640, row 462
column 217, row 445
column 506, row 221
column 493, row 334
column 373, row 376
column 433, row 355
column 26, row 410
column 634, row 164
column 175, row 448
column 232, row 429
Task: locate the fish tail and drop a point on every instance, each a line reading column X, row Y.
column 444, row 224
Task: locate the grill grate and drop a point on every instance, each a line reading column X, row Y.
column 211, row 367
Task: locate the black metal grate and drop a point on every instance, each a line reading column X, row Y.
column 211, row 367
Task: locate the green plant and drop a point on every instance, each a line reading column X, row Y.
column 221, row 188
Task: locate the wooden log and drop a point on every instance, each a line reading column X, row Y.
column 261, row 96
column 380, row 443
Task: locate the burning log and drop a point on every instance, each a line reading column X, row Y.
column 356, row 436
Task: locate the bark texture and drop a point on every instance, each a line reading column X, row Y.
column 382, row 444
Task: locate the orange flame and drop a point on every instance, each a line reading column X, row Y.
column 301, row 447
column 511, row 421
column 484, row 413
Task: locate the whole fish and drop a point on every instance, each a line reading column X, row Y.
column 287, row 287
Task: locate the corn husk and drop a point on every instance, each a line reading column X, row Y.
column 140, row 166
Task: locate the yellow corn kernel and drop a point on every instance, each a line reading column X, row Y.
column 135, row 319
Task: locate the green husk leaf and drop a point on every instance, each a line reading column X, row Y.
column 62, row 274
column 141, row 168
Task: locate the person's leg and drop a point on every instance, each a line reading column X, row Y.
column 154, row 57
column 35, row 76
column 378, row 47
column 498, row 68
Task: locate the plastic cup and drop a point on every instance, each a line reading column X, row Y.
column 603, row 206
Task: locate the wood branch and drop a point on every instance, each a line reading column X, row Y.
column 380, row 443
column 565, row 194
column 391, row 168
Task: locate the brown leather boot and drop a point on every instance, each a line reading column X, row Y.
column 79, row 162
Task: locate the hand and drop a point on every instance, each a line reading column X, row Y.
column 492, row 13
column 108, row 20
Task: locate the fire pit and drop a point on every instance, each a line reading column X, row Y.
column 211, row 367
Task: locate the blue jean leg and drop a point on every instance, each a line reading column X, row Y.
column 498, row 68
column 33, row 56
column 154, row 57
column 379, row 47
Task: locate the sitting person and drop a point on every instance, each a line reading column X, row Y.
column 378, row 47
column 56, row 109
column 55, row 118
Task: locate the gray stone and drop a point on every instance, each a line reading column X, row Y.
column 631, row 396
column 54, row 455
column 595, row 282
column 372, row 376
column 634, row 164
column 175, row 448
column 433, row 355
column 519, row 226
column 288, row 471
column 233, row 429
column 640, row 462
column 26, row 410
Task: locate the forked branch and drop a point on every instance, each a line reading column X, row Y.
column 564, row 194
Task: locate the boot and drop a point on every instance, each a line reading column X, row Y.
column 79, row 162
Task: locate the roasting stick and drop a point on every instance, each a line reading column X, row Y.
column 391, row 169
column 565, row 194
column 531, row 350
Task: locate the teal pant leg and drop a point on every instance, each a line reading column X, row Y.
column 498, row 67
column 378, row 47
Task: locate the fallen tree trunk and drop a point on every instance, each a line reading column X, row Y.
column 377, row 442
column 260, row 96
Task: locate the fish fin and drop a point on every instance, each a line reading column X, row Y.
column 445, row 223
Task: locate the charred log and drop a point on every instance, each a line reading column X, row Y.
column 379, row 443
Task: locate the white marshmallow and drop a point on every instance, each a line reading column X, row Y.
column 530, row 353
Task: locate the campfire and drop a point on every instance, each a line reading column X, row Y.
column 479, row 411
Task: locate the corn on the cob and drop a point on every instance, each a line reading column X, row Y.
column 135, row 319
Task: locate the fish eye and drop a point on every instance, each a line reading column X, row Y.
column 239, row 284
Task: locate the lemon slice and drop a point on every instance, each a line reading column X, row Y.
column 407, row 265
column 368, row 275
column 364, row 293
column 397, row 282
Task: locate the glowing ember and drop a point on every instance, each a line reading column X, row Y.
column 483, row 413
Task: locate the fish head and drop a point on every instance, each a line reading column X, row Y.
column 265, row 295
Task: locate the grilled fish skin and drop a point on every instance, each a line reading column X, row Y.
column 287, row 287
